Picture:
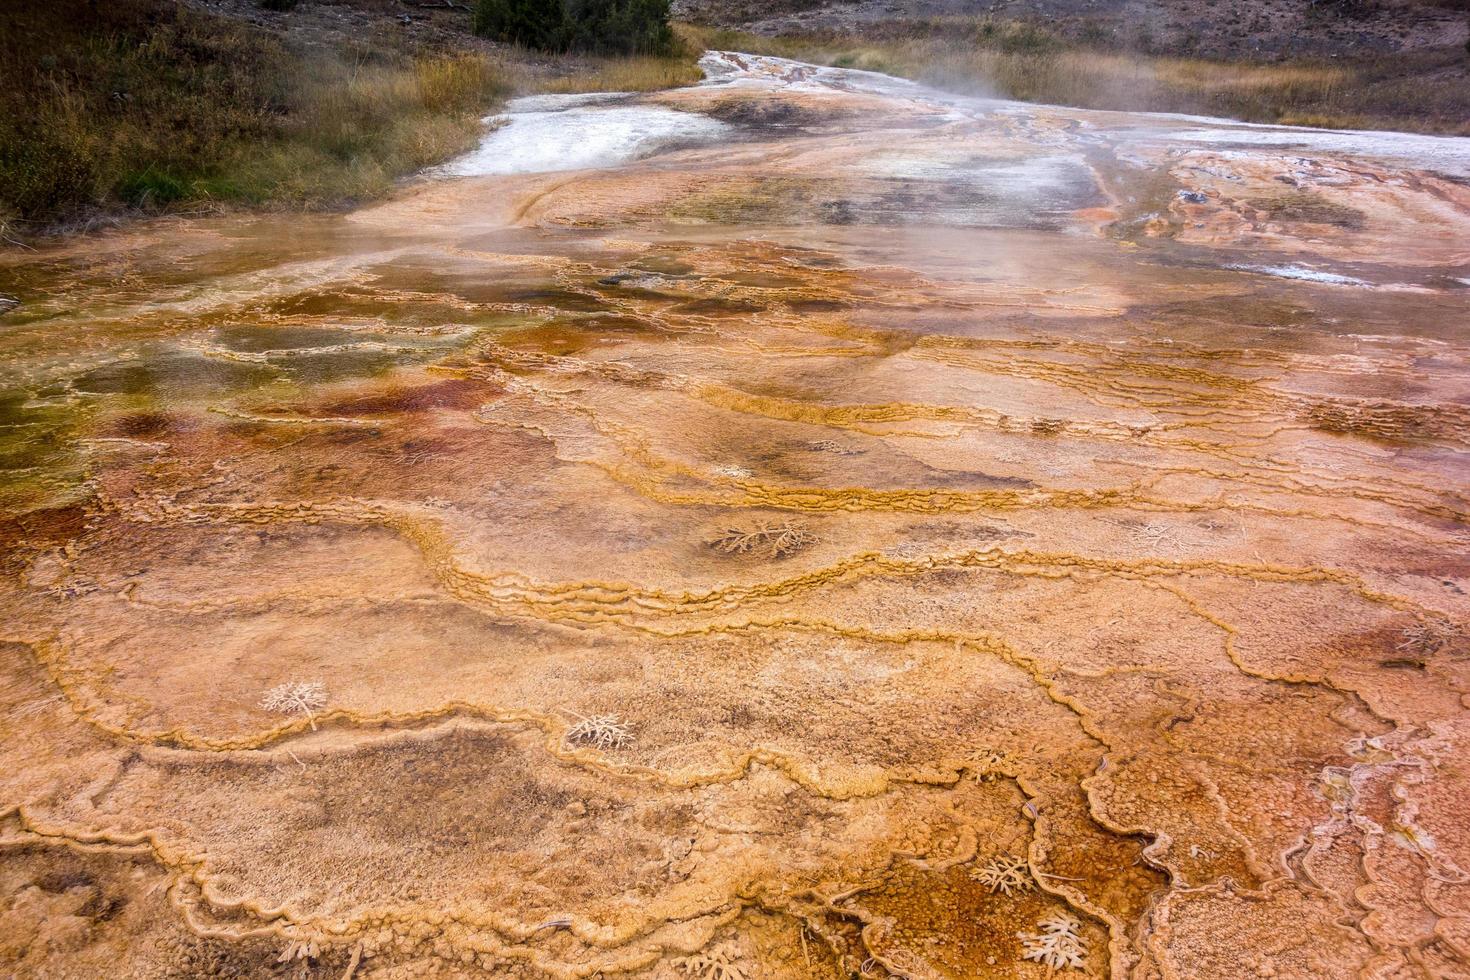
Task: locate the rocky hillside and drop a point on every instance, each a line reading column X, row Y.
column 1204, row 28
column 1340, row 64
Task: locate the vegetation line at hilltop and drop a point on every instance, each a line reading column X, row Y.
column 1415, row 91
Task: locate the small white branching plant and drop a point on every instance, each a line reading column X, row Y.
column 1005, row 873
column 717, row 963
column 600, row 732
column 296, row 698
column 1058, row 945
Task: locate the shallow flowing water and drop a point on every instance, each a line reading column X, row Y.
column 1008, row 537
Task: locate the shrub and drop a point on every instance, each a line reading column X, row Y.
column 595, row 26
column 530, row 23
column 620, row 26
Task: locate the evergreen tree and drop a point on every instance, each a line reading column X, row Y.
column 532, row 23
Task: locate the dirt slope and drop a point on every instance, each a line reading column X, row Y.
column 1254, row 28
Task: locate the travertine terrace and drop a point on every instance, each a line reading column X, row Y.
column 840, row 530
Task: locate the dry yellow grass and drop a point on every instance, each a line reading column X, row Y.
column 633, row 74
column 148, row 105
column 357, row 128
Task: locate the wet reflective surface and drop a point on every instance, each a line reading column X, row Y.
column 976, row 516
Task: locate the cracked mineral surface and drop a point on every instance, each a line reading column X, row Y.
column 709, row 561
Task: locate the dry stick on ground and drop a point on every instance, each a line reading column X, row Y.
column 352, row 963
column 300, row 949
column 899, row 962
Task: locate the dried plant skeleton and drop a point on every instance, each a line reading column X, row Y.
column 774, row 540
column 1428, row 636
column 718, row 963
column 1005, row 873
column 1058, row 946
column 600, row 732
column 296, row 698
